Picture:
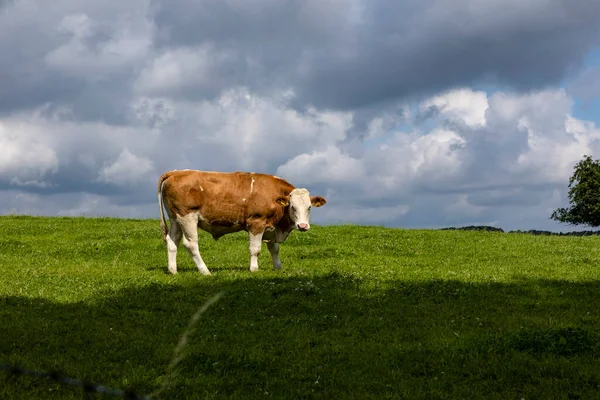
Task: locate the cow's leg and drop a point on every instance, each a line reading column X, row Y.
column 173, row 239
column 274, row 250
column 189, row 226
column 255, row 247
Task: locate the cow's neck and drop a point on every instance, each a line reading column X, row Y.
column 285, row 223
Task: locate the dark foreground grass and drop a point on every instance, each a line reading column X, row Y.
column 356, row 312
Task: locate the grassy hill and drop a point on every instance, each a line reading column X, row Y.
column 356, row 312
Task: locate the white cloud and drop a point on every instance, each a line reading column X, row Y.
column 126, row 169
column 257, row 133
column 554, row 141
column 463, row 104
column 26, row 159
column 434, row 156
column 328, row 166
column 46, row 148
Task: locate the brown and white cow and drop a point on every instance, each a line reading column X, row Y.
column 265, row 206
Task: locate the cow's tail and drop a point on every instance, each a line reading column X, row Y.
column 163, row 223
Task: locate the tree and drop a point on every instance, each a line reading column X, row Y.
column 584, row 195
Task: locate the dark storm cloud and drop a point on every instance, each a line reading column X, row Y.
column 355, row 57
column 530, row 47
column 69, row 53
column 333, row 54
column 25, row 80
column 103, row 101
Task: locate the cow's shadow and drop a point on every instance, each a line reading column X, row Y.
column 187, row 269
column 229, row 268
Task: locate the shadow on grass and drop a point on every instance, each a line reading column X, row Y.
column 327, row 337
column 186, row 269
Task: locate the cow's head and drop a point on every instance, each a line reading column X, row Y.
column 300, row 202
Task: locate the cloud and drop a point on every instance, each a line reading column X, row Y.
column 496, row 152
column 330, row 166
column 46, row 148
column 484, row 154
column 362, row 215
column 95, row 52
column 25, row 159
column 419, row 48
column 257, row 133
column 184, row 70
column 335, row 54
column 238, row 130
column 126, row 169
column 463, row 104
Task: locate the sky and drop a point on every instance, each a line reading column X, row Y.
column 410, row 114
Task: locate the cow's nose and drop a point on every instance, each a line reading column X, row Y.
column 303, row 227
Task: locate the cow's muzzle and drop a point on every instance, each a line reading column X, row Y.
column 302, row 227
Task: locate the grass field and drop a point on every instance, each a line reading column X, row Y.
column 356, row 313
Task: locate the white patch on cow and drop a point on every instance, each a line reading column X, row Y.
column 189, row 227
column 173, row 239
column 300, row 208
column 244, row 199
column 255, row 247
column 201, row 189
column 251, row 185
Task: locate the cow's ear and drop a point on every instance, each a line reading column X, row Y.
column 283, row 200
column 317, row 201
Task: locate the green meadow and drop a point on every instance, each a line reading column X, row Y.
column 356, row 313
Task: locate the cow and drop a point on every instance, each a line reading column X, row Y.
column 266, row 206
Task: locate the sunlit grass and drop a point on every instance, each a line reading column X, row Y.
column 356, row 312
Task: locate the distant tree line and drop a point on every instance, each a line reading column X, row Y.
column 531, row 231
